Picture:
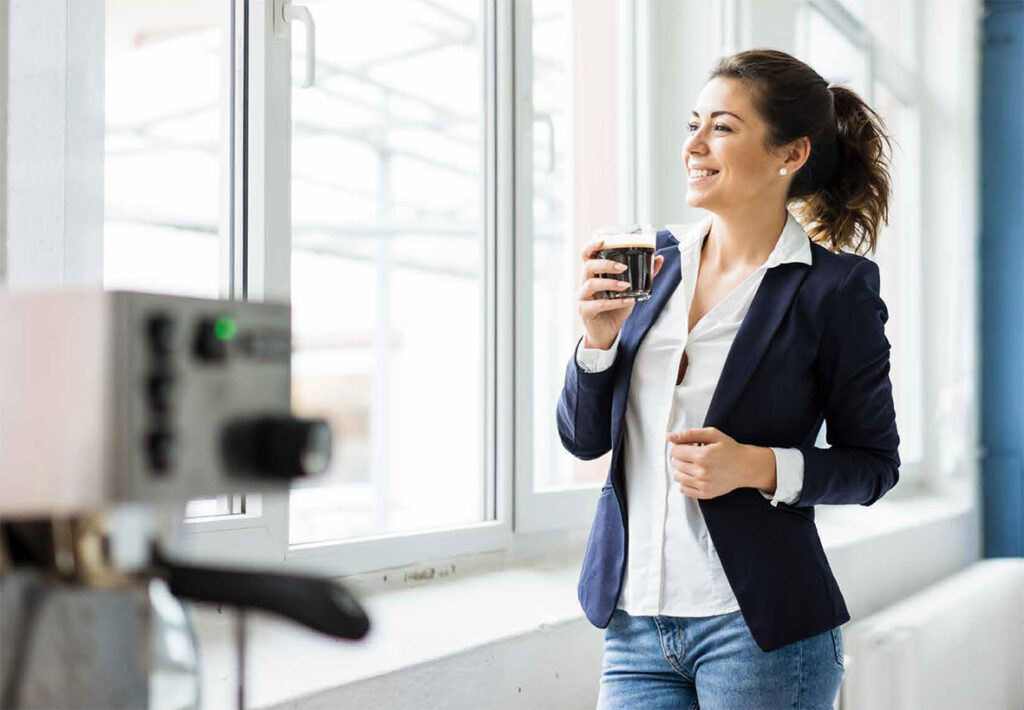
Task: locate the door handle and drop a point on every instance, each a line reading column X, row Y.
column 284, row 14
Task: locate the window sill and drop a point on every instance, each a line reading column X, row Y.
column 435, row 620
column 841, row 526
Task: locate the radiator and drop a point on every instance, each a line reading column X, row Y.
column 957, row 644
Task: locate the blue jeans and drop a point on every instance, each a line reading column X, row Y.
column 713, row 663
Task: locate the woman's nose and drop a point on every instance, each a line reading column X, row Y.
column 691, row 147
column 692, row 144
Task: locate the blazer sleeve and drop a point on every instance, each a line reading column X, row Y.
column 584, row 412
column 862, row 462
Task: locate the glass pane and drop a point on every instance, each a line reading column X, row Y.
column 165, row 172
column 831, row 53
column 893, row 30
column 387, row 265
column 854, row 7
column 164, row 179
column 899, row 259
column 576, row 185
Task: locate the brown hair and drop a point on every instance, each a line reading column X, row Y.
column 842, row 191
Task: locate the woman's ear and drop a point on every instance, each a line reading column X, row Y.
column 797, row 153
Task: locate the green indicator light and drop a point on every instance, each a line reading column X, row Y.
column 225, row 328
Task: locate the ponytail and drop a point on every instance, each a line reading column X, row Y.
column 847, row 211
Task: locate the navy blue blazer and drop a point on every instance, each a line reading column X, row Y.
column 812, row 347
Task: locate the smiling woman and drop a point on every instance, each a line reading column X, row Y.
column 749, row 303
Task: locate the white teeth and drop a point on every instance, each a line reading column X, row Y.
column 702, row 173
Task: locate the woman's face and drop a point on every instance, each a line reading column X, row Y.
column 732, row 145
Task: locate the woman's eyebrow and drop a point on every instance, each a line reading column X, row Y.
column 719, row 113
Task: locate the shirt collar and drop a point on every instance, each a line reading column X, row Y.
column 793, row 245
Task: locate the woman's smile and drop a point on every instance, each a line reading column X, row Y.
column 701, row 176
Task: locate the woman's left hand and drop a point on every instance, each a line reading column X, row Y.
column 707, row 462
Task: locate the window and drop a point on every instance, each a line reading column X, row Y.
column 167, row 157
column 422, row 206
column 578, row 185
column 869, row 55
column 166, row 102
column 388, row 270
column 839, row 57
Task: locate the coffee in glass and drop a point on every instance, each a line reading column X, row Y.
column 634, row 247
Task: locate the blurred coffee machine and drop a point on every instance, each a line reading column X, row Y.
column 116, row 408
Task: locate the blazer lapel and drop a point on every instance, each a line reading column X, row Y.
column 646, row 312
column 770, row 303
column 635, row 328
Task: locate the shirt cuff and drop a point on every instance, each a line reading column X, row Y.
column 789, row 475
column 595, row 359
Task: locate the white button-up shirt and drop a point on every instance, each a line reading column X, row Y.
column 672, row 566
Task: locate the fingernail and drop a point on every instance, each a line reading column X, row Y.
column 623, row 283
column 620, row 267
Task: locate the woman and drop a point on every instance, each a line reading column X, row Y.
column 704, row 564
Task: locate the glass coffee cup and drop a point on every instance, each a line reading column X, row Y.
column 633, row 246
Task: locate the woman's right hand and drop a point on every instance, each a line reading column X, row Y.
column 603, row 317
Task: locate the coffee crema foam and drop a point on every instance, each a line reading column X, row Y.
column 623, row 240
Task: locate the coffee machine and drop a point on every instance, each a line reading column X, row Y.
column 116, row 409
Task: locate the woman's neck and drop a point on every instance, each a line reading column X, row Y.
column 743, row 239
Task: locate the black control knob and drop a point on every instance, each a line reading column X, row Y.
column 161, row 449
column 160, row 389
column 210, row 344
column 276, row 447
column 162, row 332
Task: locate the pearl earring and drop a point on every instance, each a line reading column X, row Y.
column 782, row 171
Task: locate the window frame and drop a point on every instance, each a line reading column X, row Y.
column 253, row 267
column 265, row 268
column 570, row 508
column 905, row 268
column 357, row 555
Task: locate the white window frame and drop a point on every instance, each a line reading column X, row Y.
column 266, row 266
column 571, row 508
column 251, row 268
column 356, row 555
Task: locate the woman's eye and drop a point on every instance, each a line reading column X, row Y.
column 718, row 126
